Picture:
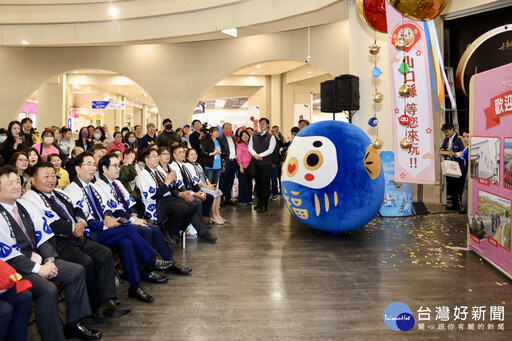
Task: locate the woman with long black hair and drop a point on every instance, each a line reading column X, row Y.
column 14, row 142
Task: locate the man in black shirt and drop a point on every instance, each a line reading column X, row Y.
column 196, row 136
column 168, row 137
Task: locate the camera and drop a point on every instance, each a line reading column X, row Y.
column 308, row 59
column 204, row 128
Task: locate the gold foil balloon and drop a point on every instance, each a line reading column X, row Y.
column 377, row 97
column 404, row 90
column 374, row 49
column 377, row 143
column 419, row 9
column 406, row 143
column 401, row 43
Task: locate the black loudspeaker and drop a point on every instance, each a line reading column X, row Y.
column 340, row 94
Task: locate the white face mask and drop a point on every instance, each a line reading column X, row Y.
column 97, row 136
column 124, row 133
column 48, row 140
column 3, row 138
column 132, row 139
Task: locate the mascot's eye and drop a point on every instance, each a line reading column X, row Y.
column 313, row 160
column 372, row 162
column 317, row 144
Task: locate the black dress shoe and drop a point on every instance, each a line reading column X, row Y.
column 80, row 331
column 169, row 239
column 140, row 294
column 157, row 277
column 179, row 269
column 257, row 206
column 208, row 237
column 162, row 265
column 177, row 238
column 453, row 208
column 262, row 209
column 112, row 309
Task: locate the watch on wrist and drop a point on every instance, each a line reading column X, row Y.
column 49, row 259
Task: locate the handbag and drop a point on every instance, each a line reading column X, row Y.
column 451, row 168
column 250, row 171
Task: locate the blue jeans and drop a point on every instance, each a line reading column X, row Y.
column 213, row 175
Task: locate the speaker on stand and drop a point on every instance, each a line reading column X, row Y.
column 340, row 94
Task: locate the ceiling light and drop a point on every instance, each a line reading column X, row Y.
column 231, row 32
column 113, row 12
column 36, row 101
column 24, row 42
column 309, row 72
column 253, row 73
column 258, row 66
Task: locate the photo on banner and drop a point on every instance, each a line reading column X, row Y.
column 485, row 159
column 495, row 214
column 507, row 158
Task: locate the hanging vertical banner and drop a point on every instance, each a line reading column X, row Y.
column 490, row 164
column 412, row 117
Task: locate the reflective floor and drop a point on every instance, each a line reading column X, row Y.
column 269, row 277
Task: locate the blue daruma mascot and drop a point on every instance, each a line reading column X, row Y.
column 332, row 178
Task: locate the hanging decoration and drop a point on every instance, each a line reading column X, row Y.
column 377, row 97
column 377, row 143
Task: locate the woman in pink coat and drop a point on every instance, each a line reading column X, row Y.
column 243, row 157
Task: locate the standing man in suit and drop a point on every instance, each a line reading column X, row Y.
column 28, row 246
column 261, row 146
column 230, row 165
column 68, row 224
column 453, row 148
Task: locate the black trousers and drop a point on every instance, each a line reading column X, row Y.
column 244, row 188
column 263, row 183
column 46, row 293
column 454, row 188
column 14, row 315
column 178, row 213
column 98, row 263
column 227, row 178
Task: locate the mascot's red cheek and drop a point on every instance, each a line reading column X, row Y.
column 309, row 177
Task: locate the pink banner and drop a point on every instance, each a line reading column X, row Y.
column 416, row 164
column 490, row 156
column 29, row 107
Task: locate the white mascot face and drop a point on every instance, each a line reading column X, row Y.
column 311, row 161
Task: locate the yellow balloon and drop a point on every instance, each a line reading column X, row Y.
column 419, row 9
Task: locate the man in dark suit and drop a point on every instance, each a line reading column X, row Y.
column 34, row 257
column 453, row 148
column 230, row 165
column 68, row 224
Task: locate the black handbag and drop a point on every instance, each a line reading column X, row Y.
column 250, row 171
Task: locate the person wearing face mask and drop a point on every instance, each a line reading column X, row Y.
column 15, row 141
column 99, row 137
column 83, row 139
column 46, row 147
column 230, row 166
column 131, row 142
column 168, row 137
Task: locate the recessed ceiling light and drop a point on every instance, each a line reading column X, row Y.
column 24, row 42
column 253, row 73
column 36, row 101
column 113, row 12
column 309, row 72
column 75, row 71
column 258, row 66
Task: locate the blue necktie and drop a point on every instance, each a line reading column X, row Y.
column 92, row 200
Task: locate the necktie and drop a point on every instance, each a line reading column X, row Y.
column 186, row 179
column 120, row 197
column 158, row 178
column 61, row 209
column 94, row 204
column 17, row 217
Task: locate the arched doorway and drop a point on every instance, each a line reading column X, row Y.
column 84, row 97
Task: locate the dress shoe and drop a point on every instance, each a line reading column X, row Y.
column 179, row 269
column 80, row 331
column 177, row 238
column 262, row 209
column 216, row 222
column 169, row 239
column 110, row 308
column 452, row 208
column 208, row 237
column 162, row 265
column 463, row 212
column 157, row 277
column 257, row 206
column 140, row 294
